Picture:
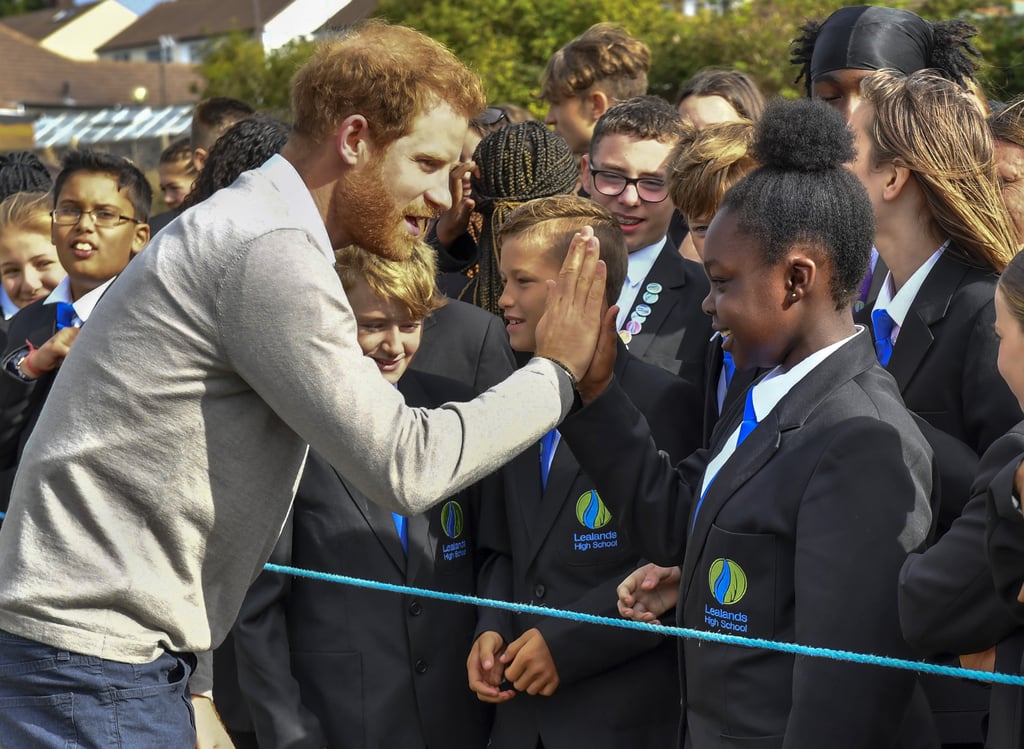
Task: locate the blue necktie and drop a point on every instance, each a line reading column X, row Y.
column 729, row 366
column 548, row 443
column 65, row 315
column 402, row 526
column 883, row 325
column 748, row 425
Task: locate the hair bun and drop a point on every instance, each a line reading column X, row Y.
column 802, row 135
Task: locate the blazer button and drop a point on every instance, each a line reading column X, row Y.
column 539, row 591
column 415, row 609
column 420, row 666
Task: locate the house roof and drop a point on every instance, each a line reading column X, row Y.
column 40, row 24
column 36, row 78
column 355, row 10
column 192, row 19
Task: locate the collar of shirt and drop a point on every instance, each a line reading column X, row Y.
column 85, row 304
column 898, row 305
column 766, row 395
column 774, row 385
column 640, row 264
column 300, row 200
column 7, row 307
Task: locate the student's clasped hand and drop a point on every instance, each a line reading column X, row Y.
column 529, row 665
column 486, row 670
column 569, row 330
column 648, row 592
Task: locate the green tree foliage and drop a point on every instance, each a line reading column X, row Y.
column 509, row 41
column 14, row 7
column 237, row 66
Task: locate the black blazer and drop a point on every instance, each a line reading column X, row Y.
column 21, row 402
column 741, row 380
column 675, row 336
column 944, row 360
column 325, row 664
column 949, row 606
column 617, row 687
column 814, row 529
column 467, row 344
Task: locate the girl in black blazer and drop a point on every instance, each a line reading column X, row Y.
column 785, row 528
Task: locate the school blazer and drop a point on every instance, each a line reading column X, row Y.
column 675, row 336
column 944, row 360
column 325, row 664
column 949, row 606
column 741, row 380
column 801, row 533
column 21, row 402
column 467, row 344
column 559, row 548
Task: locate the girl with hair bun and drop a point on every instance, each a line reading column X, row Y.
column 786, row 528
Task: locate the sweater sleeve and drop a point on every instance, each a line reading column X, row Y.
column 312, row 373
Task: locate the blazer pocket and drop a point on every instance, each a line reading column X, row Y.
column 733, row 588
column 754, row 742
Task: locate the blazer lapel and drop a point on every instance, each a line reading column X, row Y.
column 671, row 276
column 381, row 523
column 929, row 306
column 749, row 458
column 422, row 546
column 561, row 479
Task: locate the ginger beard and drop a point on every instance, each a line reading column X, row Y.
column 373, row 220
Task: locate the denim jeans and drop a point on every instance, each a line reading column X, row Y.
column 54, row 698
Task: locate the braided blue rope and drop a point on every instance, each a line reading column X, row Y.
column 696, row 634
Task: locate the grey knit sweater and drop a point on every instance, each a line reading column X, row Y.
column 167, row 455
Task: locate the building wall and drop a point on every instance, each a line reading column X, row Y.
column 79, row 39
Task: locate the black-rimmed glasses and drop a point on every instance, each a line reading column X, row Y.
column 613, row 184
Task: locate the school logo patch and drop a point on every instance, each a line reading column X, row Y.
column 727, row 580
column 452, row 519
column 591, row 512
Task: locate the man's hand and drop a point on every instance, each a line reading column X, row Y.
column 571, row 324
column 486, row 671
column 529, row 665
column 210, row 732
column 454, row 222
column 599, row 373
column 649, row 592
column 50, row 355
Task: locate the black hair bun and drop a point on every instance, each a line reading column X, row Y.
column 802, row 135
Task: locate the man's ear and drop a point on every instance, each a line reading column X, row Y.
column 353, row 139
column 199, row 158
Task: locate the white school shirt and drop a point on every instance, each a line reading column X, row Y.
column 898, row 305
column 85, row 304
column 767, row 393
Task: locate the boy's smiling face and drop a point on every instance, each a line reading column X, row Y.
column 526, row 266
column 92, row 254
column 387, row 332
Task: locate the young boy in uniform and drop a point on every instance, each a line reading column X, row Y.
column 557, row 545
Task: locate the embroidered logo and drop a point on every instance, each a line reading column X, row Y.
column 591, row 512
column 727, row 580
column 452, row 519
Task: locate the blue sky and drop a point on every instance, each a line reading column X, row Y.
column 139, row 6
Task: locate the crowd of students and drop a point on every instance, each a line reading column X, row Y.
column 747, row 367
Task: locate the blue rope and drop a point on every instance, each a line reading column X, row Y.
column 684, row 632
column 696, row 634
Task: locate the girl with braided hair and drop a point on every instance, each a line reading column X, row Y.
column 517, row 163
